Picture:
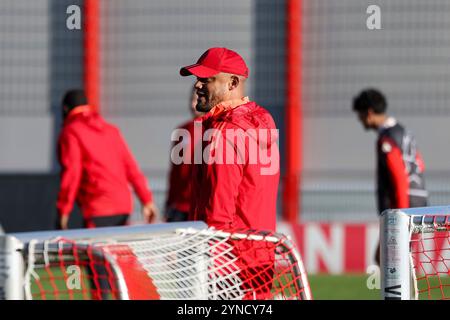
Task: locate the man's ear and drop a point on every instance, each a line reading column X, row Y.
column 234, row 82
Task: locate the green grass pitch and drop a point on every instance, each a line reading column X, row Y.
column 323, row 287
column 354, row 287
column 342, row 287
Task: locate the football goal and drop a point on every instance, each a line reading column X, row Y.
column 165, row 261
column 415, row 253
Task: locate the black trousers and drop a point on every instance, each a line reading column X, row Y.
column 174, row 215
column 107, row 221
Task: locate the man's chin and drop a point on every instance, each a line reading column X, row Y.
column 200, row 107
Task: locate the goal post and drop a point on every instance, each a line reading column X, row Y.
column 11, row 269
column 415, row 253
column 146, row 262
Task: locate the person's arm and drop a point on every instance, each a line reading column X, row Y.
column 397, row 172
column 139, row 182
column 181, row 160
column 179, row 188
column 173, row 182
column 70, row 159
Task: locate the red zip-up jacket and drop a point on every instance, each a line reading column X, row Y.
column 97, row 167
column 180, row 176
column 238, row 195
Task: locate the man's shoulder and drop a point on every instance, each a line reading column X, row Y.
column 392, row 137
column 249, row 116
column 267, row 116
column 111, row 126
column 395, row 132
column 83, row 126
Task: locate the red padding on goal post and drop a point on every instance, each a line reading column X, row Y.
column 140, row 285
column 92, row 49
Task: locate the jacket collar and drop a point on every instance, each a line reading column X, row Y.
column 228, row 105
column 389, row 123
column 79, row 109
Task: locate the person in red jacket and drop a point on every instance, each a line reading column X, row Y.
column 400, row 167
column 236, row 172
column 97, row 169
column 178, row 201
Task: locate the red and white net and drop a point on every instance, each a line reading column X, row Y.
column 187, row 264
column 430, row 258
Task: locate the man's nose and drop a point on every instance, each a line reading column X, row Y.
column 198, row 84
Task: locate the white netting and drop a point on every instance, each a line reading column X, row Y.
column 186, row 264
column 430, row 259
column 182, row 266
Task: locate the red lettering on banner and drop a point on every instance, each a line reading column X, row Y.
column 299, row 234
column 355, row 248
column 333, row 247
column 324, row 247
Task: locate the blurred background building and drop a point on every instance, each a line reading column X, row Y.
column 143, row 43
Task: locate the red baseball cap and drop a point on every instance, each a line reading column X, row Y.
column 214, row 61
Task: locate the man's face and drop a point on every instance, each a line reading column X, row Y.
column 211, row 91
column 366, row 119
column 193, row 105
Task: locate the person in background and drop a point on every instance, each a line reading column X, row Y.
column 97, row 169
column 180, row 176
column 400, row 167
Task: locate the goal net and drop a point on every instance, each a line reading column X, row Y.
column 415, row 253
column 168, row 261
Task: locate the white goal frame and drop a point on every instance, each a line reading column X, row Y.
column 16, row 251
column 396, row 228
column 13, row 248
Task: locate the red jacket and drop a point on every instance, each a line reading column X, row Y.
column 97, row 167
column 179, row 194
column 238, row 195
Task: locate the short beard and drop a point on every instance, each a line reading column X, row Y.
column 208, row 105
column 203, row 108
column 212, row 101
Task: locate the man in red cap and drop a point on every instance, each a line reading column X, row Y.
column 241, row 193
